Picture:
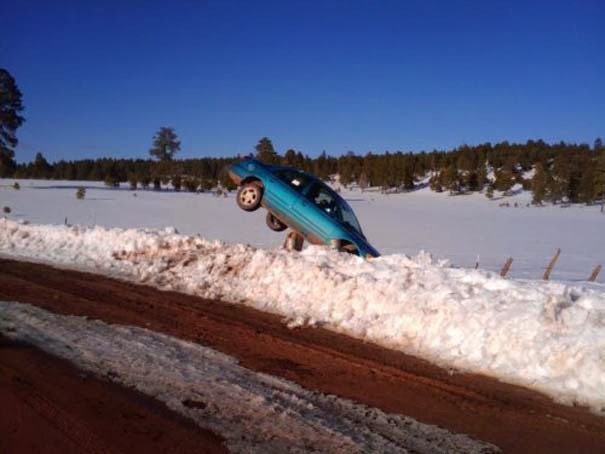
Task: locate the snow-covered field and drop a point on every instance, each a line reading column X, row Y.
column 545, row 335
column 254, row 412
column 458, row 229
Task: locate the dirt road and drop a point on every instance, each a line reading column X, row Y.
column 513, row 418
column 48, row 406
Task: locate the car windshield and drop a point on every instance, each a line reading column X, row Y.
column 327, row 200
column 348, row 217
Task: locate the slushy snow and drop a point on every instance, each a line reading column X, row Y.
column 254, row 412
column 544, row 335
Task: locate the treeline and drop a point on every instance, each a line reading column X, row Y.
column 193, row 174
column 561, row 172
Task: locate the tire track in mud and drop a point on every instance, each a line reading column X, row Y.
column 253, row 412
column 513, row 418
column 50, row 406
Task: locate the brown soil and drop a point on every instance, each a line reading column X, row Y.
column 511, row 417
column 48, row 406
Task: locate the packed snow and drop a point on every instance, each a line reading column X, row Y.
column 457, row 228
column 254, row 412
column 544, row 335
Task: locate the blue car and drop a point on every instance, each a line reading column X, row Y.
column 302, row 202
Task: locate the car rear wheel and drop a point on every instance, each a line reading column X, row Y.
column 249, row 196
column 275, row 224
column 344, row 246
column 350, row 249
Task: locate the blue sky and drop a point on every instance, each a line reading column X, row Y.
column 99, row 79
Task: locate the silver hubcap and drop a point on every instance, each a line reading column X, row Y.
column 248, row 196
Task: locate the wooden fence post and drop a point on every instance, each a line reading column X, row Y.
column 551, row 265
column 595, row 273
column 506, row 267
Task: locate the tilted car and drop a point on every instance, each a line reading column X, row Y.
column 302, row 202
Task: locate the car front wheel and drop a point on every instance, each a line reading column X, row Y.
column 249, row 196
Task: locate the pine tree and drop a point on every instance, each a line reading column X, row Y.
column 191, row 184
column 133, row 180
column 482, row 179
column 363, row 181
column 265, row 152
column 321, row 167
column 111, row 181
column 505, row 177
column 10, row 120
column 599, row 179
column 41, row 167
column 290, row 158
column 451, row 179
column 538, row 184
column 145, row 181
column 165, row 144
column 435, row 183
column 176, row 182
column 347, row 168
column 560, row 178
column 408, row 176
column 586, row 185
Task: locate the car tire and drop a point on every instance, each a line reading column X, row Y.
column 275, row 224
column 249, row 196
column 349, row 249
column 344, row 246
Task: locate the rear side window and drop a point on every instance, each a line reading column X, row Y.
column 296, row 180
column 325, row 200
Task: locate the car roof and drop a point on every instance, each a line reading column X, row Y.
column 310, row 175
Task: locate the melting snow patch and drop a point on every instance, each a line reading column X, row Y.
column 544, row 335
column 254, row 412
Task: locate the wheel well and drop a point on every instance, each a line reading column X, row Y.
column 250, row 180
column 348, row 246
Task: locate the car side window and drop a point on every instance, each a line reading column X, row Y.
column 322, row 198
column 295, row 180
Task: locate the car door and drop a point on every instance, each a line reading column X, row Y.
column 317, row 210
column 285, row 186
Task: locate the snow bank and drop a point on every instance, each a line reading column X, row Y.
column 254, row 412
column 457, row 228
column 543, row 335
